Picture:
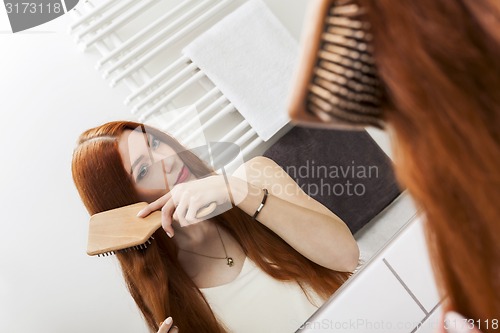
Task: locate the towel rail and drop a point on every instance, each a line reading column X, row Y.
column 120, row 22
column 174, row 38
column 142, row 33
column 225, row 111
column 105, row 18
column 195, row 106
column 242, row 125
column 190, row 122
column 172, row 95
column 134, row 60
column 147, row 44
column 245, row 137
column 245, row 151
column 101, row 46
column 157, row 78
column 96, row 11
column 165, row 86
column 252, row 145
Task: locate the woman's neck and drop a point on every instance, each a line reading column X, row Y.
column 195, row 235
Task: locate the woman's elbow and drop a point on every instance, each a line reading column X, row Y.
column 350, row 258
column 353, row 261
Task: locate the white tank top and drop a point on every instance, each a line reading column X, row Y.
column 256, row 302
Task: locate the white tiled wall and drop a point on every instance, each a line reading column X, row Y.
column 432, row 323
column 408, row 258
column 394, row 292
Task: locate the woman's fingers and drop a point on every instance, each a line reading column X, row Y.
column 166, row 217
column 166, row 204
column 182, row 207
column 167, row 326
column 155, row 205
column 191, row 214
column 193, row 208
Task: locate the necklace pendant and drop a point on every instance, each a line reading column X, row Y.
column 230, row 261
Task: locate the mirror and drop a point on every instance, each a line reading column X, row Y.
column 353, row 178
column 48, row 228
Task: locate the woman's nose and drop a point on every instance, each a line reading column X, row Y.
column 167, row 162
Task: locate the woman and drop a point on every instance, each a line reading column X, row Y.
column 295, row 244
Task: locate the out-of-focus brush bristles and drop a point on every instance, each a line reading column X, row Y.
column 337, row 79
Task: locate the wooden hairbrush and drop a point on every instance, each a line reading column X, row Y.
column 336, row 82
column 120, row 230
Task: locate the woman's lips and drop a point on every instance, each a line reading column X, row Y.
column 183, row 175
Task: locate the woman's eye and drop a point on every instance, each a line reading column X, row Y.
column 143, row 171
column 155, row 142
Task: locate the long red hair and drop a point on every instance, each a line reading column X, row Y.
column 440, row 63
column 155, row 278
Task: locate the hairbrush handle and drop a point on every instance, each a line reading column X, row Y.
column 120, row 229
column 207, row 210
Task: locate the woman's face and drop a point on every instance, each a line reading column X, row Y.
column 153, row 165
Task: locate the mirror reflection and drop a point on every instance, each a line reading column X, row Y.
column 277, row 254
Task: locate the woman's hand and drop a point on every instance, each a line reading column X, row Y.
column 184, row 201
column 168, row 326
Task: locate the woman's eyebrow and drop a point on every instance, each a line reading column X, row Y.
column 135, row 163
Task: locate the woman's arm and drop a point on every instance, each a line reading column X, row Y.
column 301, row 221
column 305, row 224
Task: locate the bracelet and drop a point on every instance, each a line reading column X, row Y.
column 264, row 198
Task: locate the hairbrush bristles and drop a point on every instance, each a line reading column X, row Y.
column 128, row 249
column 340, row 83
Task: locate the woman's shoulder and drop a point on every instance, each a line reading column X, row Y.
column 258, row 169
column 260, row 161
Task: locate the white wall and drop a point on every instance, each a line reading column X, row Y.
column 49, row 94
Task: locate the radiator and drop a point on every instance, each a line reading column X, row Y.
column 138, row 44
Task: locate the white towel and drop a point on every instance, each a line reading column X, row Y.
column 250, row 56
